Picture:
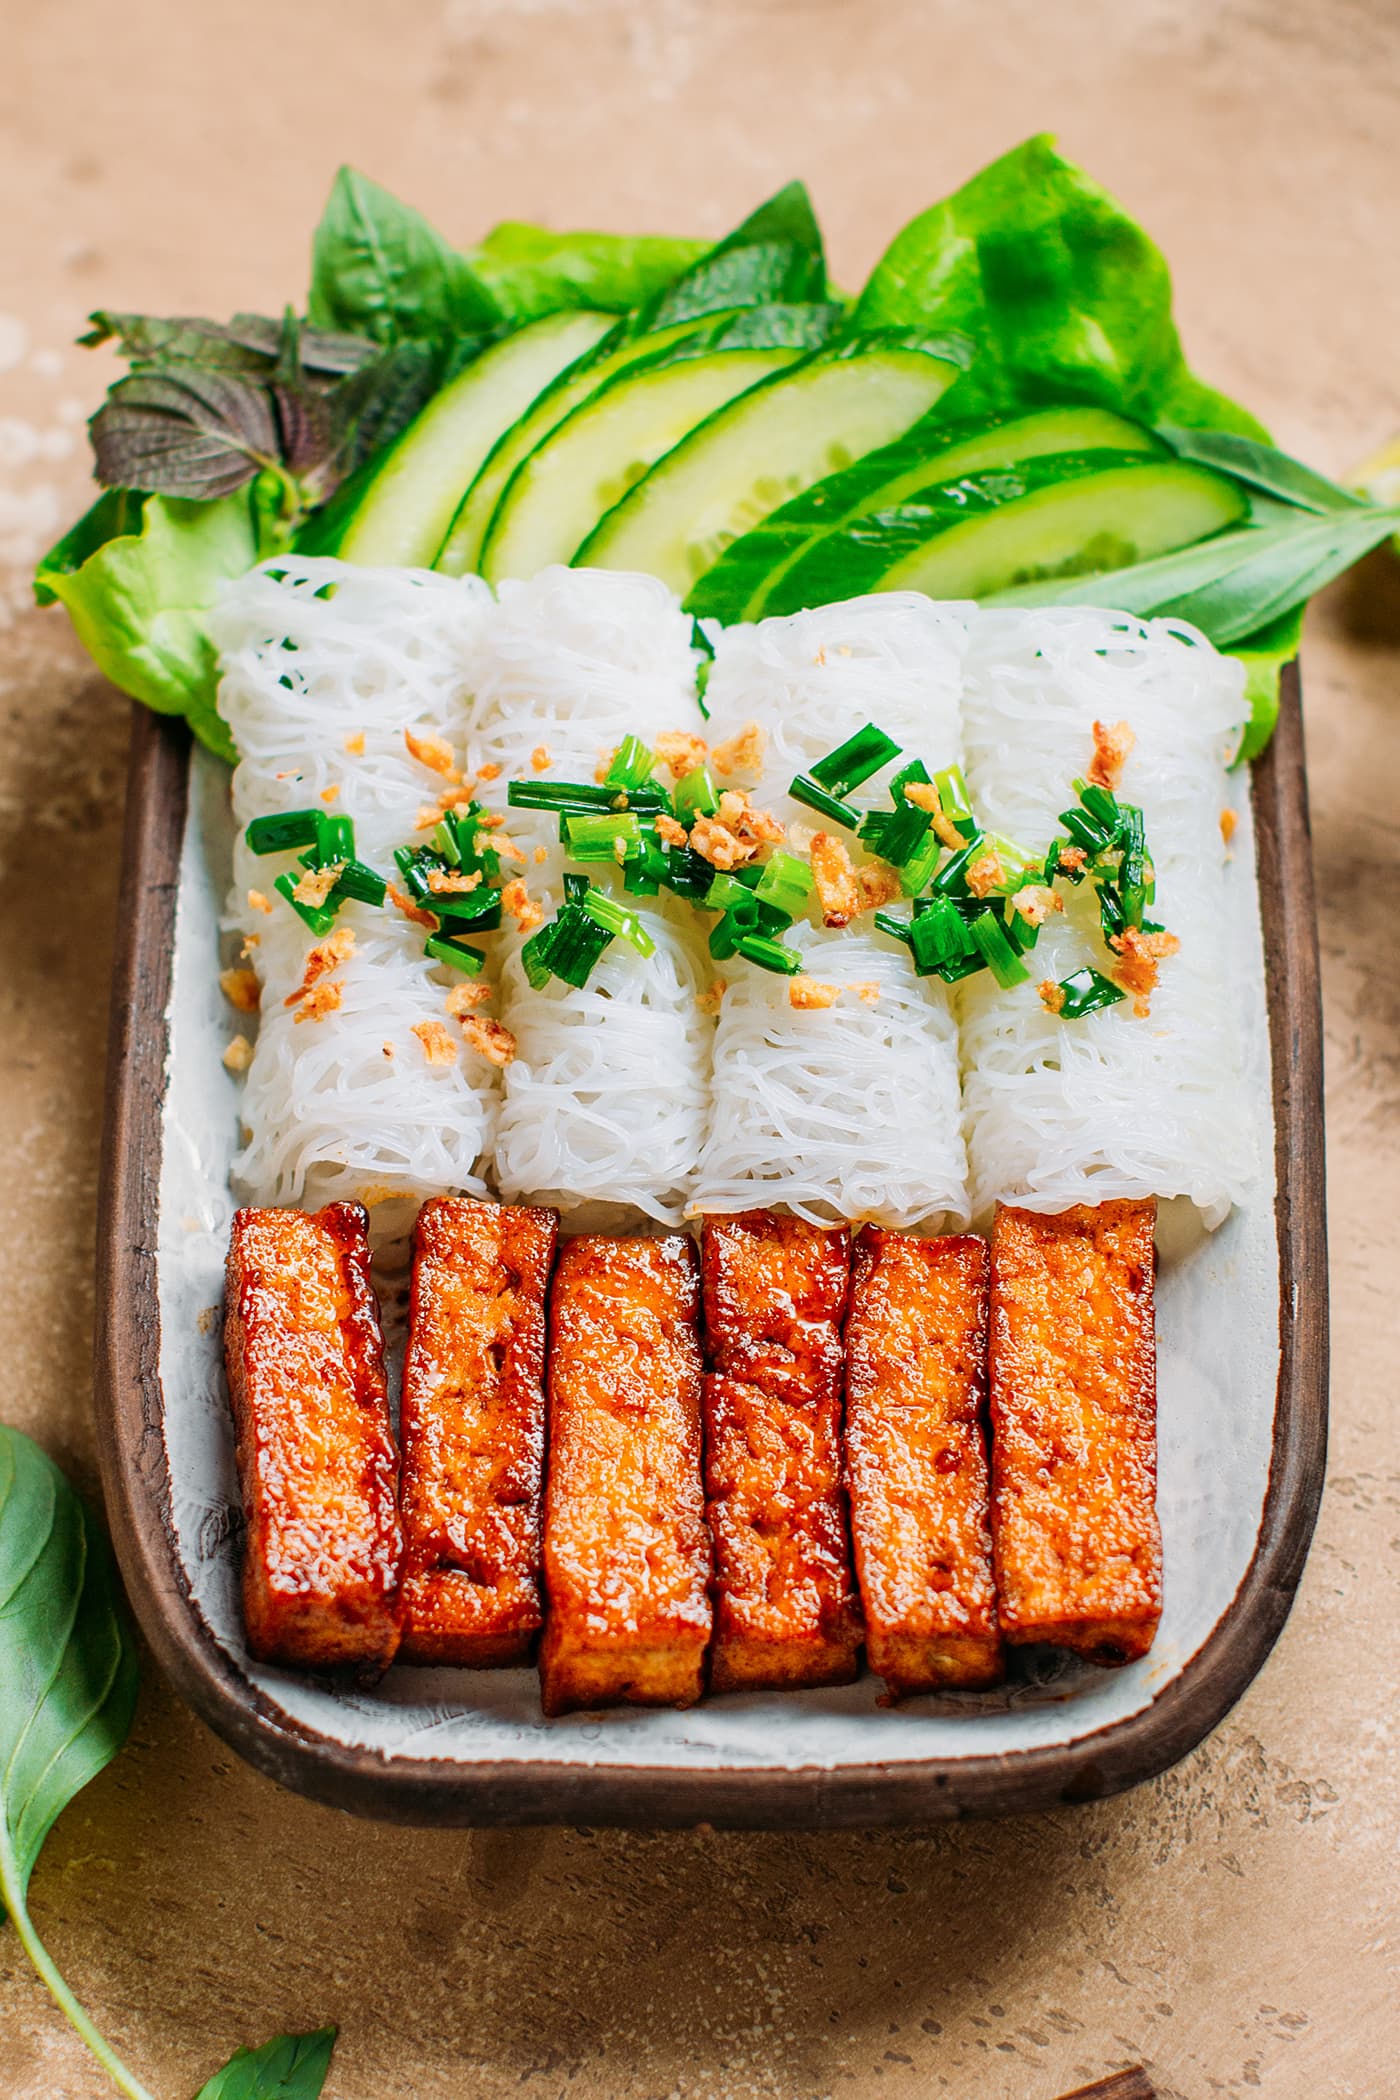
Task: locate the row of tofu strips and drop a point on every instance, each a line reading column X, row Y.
column 730, row 1470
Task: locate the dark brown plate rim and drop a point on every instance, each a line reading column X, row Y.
column 130, row 1407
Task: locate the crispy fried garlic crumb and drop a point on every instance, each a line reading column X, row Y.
column 1052, row 995
column 710, row 1002
column 317, row 883
column 489, row 1039
column 464, row 998
column 744, row 752
column 241, row 989
column 985, row 874
column 413, row 911
column 434, row 752
column 1035, row 904
column 319, row 1000
column 258, row 902
column 541, row 855
column 924, row 795
column 541, row 758
column 438, row 1046
column 805, row 993
column 1111, row 749
column 838, row 892
column 516, row 899
column 331, row 793
column 669, row 831
column 239, row 1054
column 321, row 959
column 1138, row 957
column 878, row 884
column 681, row 752
column 452, row 882
column 355, row 744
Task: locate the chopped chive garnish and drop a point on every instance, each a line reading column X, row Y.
column 619, row 920
column 445, row 843
column 814, row 796
column 362, row 884
column 785, row 883
column 1132, row 871
column 897, row 929
column 769, row 954
column 725, row 891
column 1102, row 805
column 287, row 833
column 951, row 879
column 576, row 888
column 1023, row 933
column 921, row 864
column 1018, row 866
column 855, row 760
column 319, row 917
column 631, row 764
column 998, row 952
column 565, row 796
column 904, row 833
column 1083, row 831
column 1085, row 993
column 696, row 795
column 688, row 873
column 1112, row 917
column 953, row 797
column 479, row 910
column 457, row 957
column 939, row 936
column 595, row 838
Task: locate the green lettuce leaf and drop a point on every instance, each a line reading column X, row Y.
column 530, row 271
column 138, row 574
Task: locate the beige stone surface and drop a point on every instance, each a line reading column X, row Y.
column 1234, row 1925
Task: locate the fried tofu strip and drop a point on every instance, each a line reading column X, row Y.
column 916, row 1459
column 316, row 1458
column 785, row 1609
column 626, row 1554
column 1073, row 1372
column 472, row 1428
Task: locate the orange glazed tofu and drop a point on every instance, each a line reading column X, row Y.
column 472, row 1427
column 626, row 1554
column 916, row 1459
column 785, row 1609
column 1074, row 1429
column 316, row 1457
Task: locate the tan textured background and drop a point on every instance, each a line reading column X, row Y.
column 1234, row 1925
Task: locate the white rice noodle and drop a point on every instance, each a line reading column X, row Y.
column 850, row 1111
column 1109, row 1106
column 606, row 1101
column 814, row 678
column 316, row 652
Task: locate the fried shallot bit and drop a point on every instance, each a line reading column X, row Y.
column 1228, row 822
column 711, row 1001
column 516, row 899
column 317, row 883
column 464, row 998
column 541, row 758
column 241, row 989
column 438, row 1046
column 541, row 855
column 320, row 1000
column 681, row 752
column 717, row 844
column 413, row 911
column 355, row 744
column 258, row 902
column 838, row 892
column 1052, row 995
column 1034, row 904
column 239, row 1054
column 924, row 795
column 1111, row 748
column 1072, row 859
column 744, row 752
column 331, row 793
column 434, row 752
column 506, row 846
column 867, row 991
column 760, row 826
column 878, row 884
column 250, row 942
column 452, row 882
column 489, row 1039
column 985, row 874
column 491, row 772
column 321, row 959
column 805, row 993
column 1138, row 957
column 669, row 831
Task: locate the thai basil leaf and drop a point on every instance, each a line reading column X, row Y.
column 138, row 575
column 247, row 343
column 1264, row 583
column 379, row 269
column 290, row 2067
column 531, row 272
column 775, row 257
column 68, row 1675
column 1261, row 467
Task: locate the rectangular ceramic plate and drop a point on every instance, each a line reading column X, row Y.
column 1242, row 1411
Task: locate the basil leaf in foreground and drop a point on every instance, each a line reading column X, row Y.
column 1260, row 466
column 138, row 574
column 68, row 1675
column 531, row 272
column 290, row 2067
column 379, row 269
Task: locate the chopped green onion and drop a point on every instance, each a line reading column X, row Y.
column 576, row 888
column 364, row 885
column 769, row 954
column 725, row 891
column 1019, row 866
column 1085, row 832
column 478, row 910
column 921, row 864
column 567, row 948
column 1112, row 917
column 631, row 764
column 1102, row 805
column 904, row 833
column 873, row 827
column 939, row 936
column 951, row 879
column 1085, row 993
column 445, row 843
column 688, row 873
column 319, row 917
column 855, row 760
column 785, row 883
column 566, row 796
column 284, row 834
column 998, row 952
column 644, row 876
column 443, row 950
column 618, row 919
column 696, row 795
column 1132, row 872
column 814, row 796
column 897, row 929
column 1023, row 933
column 953, row 796
column 595, row 838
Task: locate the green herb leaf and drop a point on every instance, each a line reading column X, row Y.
column 530, row 271
column 774, row 256
column 68, row 1674
column 185, row 431
column 247, row 343
column 290, row 2067
column 1260, row 466
column 138, row 575
column 379, row 269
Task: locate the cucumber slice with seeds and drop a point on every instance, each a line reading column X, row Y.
column 757, row 452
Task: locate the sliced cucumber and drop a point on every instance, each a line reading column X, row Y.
column 759, row 451
column 616, row 353
column 1067, row 514
column 593, row 457
column 750, row 578
column 406, row 504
